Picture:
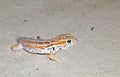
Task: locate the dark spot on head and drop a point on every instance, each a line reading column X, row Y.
column 92, row 28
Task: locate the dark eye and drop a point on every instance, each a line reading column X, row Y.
column 69, row 41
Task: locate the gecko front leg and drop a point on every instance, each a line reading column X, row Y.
column 53, row 57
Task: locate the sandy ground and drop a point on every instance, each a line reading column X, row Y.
column 96, row 24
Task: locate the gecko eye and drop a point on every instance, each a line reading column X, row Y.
column 69, row 41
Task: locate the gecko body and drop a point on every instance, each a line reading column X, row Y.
column 45, row 46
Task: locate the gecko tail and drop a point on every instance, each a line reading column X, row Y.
column 17, row 47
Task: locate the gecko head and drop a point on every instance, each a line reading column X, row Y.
column 68, row 40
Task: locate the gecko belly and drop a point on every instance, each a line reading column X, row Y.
column 41, row 51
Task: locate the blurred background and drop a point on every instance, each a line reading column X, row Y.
column 96, row 24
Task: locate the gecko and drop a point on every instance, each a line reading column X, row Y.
column 45, row 46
